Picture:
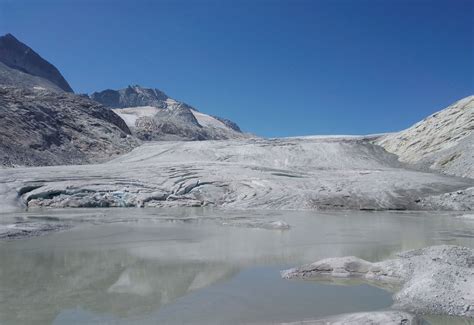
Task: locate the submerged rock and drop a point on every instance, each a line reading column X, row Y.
column 29, row 229
column 434, row 280
column 261, row 224
column 466, row 217
column 365, row 318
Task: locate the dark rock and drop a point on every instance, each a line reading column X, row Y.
column 132, row 96
column 18, row 56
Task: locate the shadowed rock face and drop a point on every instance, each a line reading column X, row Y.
column 18, row 56
column 443, row 141
column 132, row 96
column 39, row 127
column 152, row 115
column 11, row 77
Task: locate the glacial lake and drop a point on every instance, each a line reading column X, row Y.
column 201, row 266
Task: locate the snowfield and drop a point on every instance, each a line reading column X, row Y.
column 209, row 121
column 306, row 173
column 132, row 114
column 176, row 122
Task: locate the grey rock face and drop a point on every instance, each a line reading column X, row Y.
column 433, row 280
column 39, row 127
column 19, row 56
column 18, row 79
column 152, row 115
column 443, row 141
column 457, row 200
column 178, row 123
column 132, row 96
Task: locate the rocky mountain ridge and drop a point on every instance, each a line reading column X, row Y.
column 33, row 87
column 42, row 122
column 133, row 96
column 18, row 56
column 444, row 141
column 152, row 115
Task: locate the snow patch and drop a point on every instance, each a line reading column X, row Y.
column 130, row 115
column 209, row 121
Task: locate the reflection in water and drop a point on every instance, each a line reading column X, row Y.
column 36, row 287
column 183, row 266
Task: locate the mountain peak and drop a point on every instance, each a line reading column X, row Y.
column 18, row 56
column 152, row 115
column 132, row 96
column 10, row 36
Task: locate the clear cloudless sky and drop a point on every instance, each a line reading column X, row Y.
column 276, row 67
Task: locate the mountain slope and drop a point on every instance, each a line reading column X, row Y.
column 152, row 115
column 16, row 78
column 43, row 123
column 39, row 127
column 443, row 141
column 18, row 56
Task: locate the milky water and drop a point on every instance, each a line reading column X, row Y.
column 197, row 266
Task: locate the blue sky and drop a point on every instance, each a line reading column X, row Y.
column 277, row 68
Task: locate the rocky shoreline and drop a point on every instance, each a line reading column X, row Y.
column 436, row 280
